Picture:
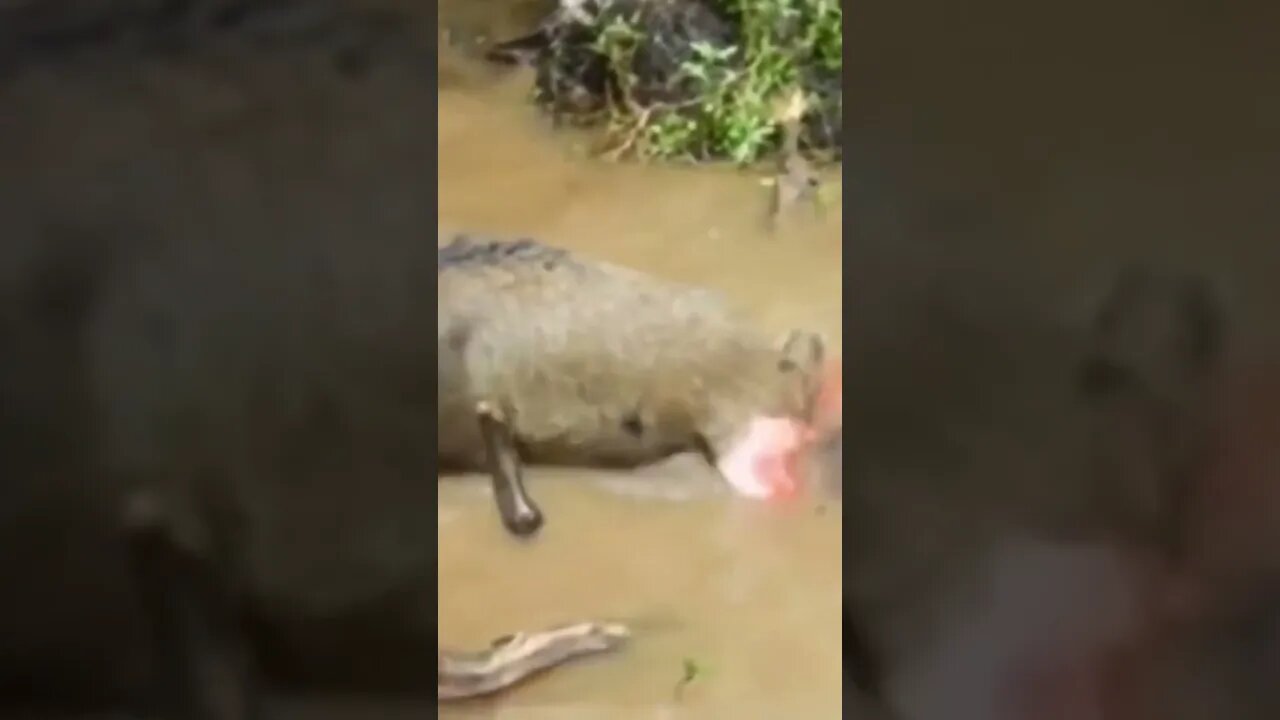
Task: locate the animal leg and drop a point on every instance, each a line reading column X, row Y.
column 202, row 665
column 519, row 513
column 861, row 665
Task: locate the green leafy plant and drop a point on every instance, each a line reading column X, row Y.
column 723, row 99
column 690, row 670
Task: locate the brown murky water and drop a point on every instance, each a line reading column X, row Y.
column 1157, row 142
column 749, row 592
column 231, row 143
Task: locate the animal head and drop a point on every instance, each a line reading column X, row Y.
column 1154, row 332
column 787, row 397
column 1155, row 342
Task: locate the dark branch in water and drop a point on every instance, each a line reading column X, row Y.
column 513, row 658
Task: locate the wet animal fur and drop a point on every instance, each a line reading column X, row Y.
column 976, row 423
column 598, row 364
column 267, row 401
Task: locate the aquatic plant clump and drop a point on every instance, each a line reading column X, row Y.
column 697, row 79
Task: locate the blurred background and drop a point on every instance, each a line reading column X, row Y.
column 1000, row 159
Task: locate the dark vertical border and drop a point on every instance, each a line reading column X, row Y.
column 432, row 64
column 851, row 683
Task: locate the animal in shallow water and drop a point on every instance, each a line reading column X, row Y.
column 256, row 415
column 261, row 416
column 1017, row 498
column 549, row 357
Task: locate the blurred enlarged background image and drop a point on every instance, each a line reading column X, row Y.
column 1059, row 259
column 216, row 216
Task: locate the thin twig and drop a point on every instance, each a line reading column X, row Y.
column 516, row 657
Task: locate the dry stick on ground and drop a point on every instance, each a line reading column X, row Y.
column 628, row 143
column 795, row 180
column 511, row 659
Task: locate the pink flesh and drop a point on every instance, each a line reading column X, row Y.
column 1239, row 494
column 762, row 463
column 1235, row 533
column 828, row 412
column 1042, row 642
column 1065, row 632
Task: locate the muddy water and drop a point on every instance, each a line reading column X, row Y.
column 1157, row 141
column 1044, row 148
column 750, row 593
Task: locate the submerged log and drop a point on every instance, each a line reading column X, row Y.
column 513, row 658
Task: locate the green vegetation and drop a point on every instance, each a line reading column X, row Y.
column 690, row 671
column 694, row 80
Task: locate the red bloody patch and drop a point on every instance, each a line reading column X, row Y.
column 785, row 470
column 828, row 410
column 826, row 420
column 781, row 473
column 1239, row 494
column 763, row 462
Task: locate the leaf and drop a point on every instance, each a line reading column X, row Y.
column 691, row 671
